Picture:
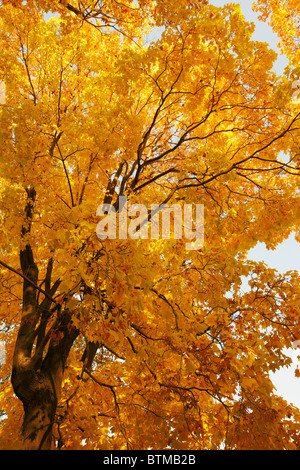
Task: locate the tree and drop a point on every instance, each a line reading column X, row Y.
column 284, row 19
column 135, row 343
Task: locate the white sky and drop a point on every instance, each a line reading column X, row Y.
column 287, row 256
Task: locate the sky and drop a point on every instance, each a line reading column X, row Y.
column 287, row 256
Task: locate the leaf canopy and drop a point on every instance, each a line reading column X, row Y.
column 171, row 351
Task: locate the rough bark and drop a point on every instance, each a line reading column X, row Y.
column 37, row 372
column 39, row 401
column 39, row 389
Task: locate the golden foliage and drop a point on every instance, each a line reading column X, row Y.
column 96, row 108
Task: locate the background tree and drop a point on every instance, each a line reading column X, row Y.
column 120, row 344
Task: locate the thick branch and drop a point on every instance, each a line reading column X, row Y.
column 33, row 284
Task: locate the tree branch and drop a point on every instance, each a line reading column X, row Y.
column 29, row 280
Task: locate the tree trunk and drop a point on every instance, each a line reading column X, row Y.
column 39, row 400
column 37, row 373
column 39, row 389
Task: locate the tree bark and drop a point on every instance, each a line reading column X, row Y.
column 39, row 401
column 39, row 389
column 37, row 373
